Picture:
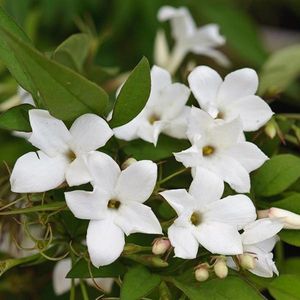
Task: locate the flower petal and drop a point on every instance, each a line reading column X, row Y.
column 179, row 199
column 104, row 171
column 105, row 242
column 238, row 84
column 237, row 210
column 184, row 243
column 89, row 133
column 190, row 157
column 248, row 155
column 136, row 182
column 160, row 78
column 77, row 172
column 35, row 172
column 88, row 205
column 48, row 133
column 206, row 186
column 136, row 217
column 253, row 111
column 205, row 83
column 261, row 230
column 219, row 238
column 128, row 132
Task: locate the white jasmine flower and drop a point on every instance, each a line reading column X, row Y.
column 115, row 205
column 61, row 284
column 62, row 153
column 217, row 146
column 205, row 219
column 165, row 111
column 259, row 238
column 289, row 219
column 234, row 97
column 189, row 38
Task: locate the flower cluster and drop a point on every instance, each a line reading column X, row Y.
column 218, row 154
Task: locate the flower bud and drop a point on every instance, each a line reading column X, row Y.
column 201, row 273
column 247, row 261
column 128, row 162
column 161, row 49
column 160, row 246
column 270, row 129
column 220, row 267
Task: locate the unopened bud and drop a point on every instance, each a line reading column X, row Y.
column 247, row 261
column 127, row 163
column 201, row 272
column 161, row 49
column 160, row 246
column 290, row 219
column 270, row 129
column 220, row 267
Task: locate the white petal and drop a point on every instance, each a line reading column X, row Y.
column 89, row 133
column 232, row 172
column 184, row 243
column 136, row 217
column 61, row 284
column 207, row 36
column 219, row 57
column 106, row 284
column 248, row 155
column 88, row 205
column 219, row 238
column 35, row 172
column 160, row 78
column 205, row 83
column 238, row 84
column 237, row 210
column 77, row 172
column 136, row 183
column 190, row 157
column 104, row 171
column 261, row 230
column 253, row 111
column 206, row 187
column 105, row 242
column 48, row 133
column 179, row 199
column 150, row 132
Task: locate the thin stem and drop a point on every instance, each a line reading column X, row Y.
column 172, row 176
column 291, row 116
column 84, row 292
column 279, row 253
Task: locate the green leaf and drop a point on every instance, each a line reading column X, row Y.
column 219, row 289
column 291, row 237
column 66, row 94
column 73, row 51
column 291, row 203
column 81, row 270
column 138, row 282
column 280, row 70
column 133, row 95
column 285, row 287
column 291, row 266
column 276, row 175
column 7, row 56
column 16, row 118
column 165, row 148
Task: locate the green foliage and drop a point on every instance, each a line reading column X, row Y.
column 280, row 70
column 133, row 95
column 16, row 118
column 276, row 175
column 285, row 287
column 138, row 282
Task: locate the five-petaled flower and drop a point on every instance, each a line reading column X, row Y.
column 115, row 206
column 220, row 148
column 234, row 97
column 189, row 38
column 205, row 219
column 165, row 111
column 62, row 154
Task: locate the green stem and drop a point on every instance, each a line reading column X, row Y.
column 291, row 116
column 84, row 292
column 172, row 176
column 279, row 253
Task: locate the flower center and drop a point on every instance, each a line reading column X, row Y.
column 208, row 150
column 153, row 118
column 113, row 204
column 220, row 115
column 196, row 218
column 71, row 155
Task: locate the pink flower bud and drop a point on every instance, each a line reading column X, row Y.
column 160, row 246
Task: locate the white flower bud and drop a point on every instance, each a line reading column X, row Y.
column 247, row 261
column 128, row 162
column 270, row 129
column 160, row 246
column 220, row 267
column 201, row 274
column 161, row 49
column 290, row 219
